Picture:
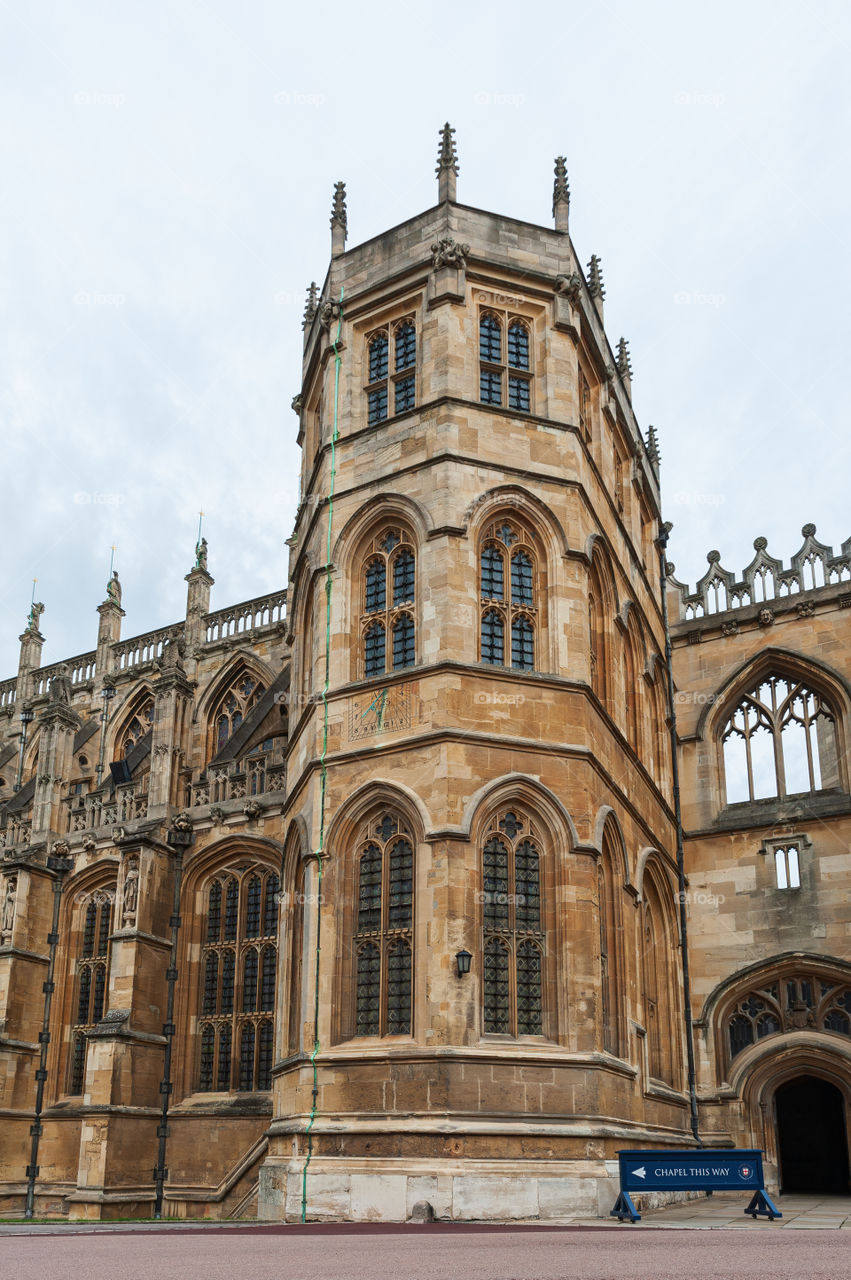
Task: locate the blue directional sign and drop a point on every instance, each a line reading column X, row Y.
column 715, row 1169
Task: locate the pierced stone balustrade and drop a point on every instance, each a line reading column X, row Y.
column 764, row 579
column 240, row 619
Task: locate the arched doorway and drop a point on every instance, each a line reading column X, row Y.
column 811, row 1137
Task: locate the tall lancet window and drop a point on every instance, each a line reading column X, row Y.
column 508, row 593
column 513, row 938
column 92, row 975
column 238, row 973
column 388, row 604
column 383, row 928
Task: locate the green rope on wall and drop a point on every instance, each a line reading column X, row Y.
column 323, row 772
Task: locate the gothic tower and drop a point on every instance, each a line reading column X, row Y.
column 482, row 998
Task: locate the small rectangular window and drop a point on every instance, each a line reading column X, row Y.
column 490, row 387
column 404, row 397
column 518, row 394
column 377, row 405
column 787, row 867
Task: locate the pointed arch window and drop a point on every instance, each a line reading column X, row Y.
column 780, row 740
column 505, row 378
column 396, row 387
column 508, row 592
column 657, row 965
column 383, row 929
column 232, row 708
column 608, row 932
column 390, row 561
column 134, row 731
column 796, row 999
column 91, row 977
column 513, row 938
column 238, row 973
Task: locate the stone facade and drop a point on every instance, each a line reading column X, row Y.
column 374, row 880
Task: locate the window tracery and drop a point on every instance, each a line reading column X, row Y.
column 91, row 976
column 388, row 628
column 796, row 1001
column 513, row 938
column 397, row 387
column 780, row 740
column 232, row 708
column 505, row 378
column 135, row 729
column 238, row 976
column 508, row 590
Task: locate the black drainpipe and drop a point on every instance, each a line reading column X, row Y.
column 179, row 840
column 60, row 866
column 662, row 543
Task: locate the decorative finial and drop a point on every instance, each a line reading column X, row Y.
column 653, row 446
column 561, row 194
column 339, row 220
column 113, row 587
column 595, row 278
column 623, row 361
column 311, row 306
column 595, row 283
column 447, row 164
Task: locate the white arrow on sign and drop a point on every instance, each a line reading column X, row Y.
column 640, row 1173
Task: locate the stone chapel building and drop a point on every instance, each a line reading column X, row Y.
column 366, row 892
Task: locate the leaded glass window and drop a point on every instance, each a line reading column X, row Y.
column 403, row 642
column 398, row 388
column 404, row 396
column 512, row 604
column 389, row 585
column 374, row 650
column 238, row 974
column 384, row 929
column 508, row 379
column 232, row 708
column 91, row 974
column 136, row 728
column 522, row 644
column 512, row 928
column 376, row 586
column 803, row 1001
column 493, row 574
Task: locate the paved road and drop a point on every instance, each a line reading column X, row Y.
column 756, row 1251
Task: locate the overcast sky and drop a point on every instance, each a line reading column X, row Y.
column 167, row 180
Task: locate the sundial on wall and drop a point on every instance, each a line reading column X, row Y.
column 380, row 711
